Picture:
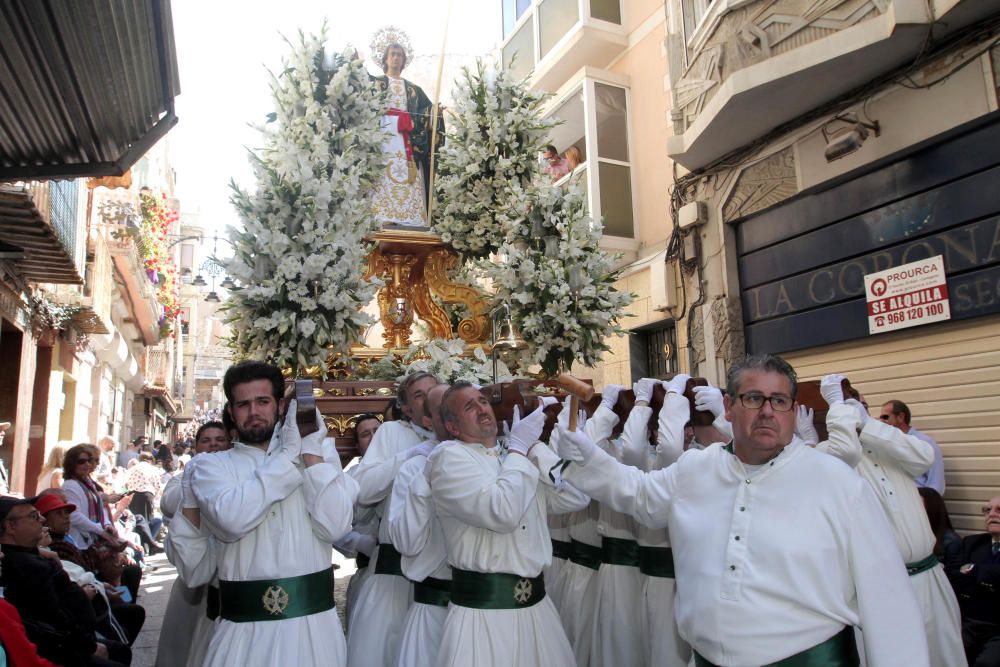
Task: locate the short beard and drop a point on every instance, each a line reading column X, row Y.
column 255, row 436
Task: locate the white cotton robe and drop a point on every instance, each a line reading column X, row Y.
column 772, row 562
column 271, row 520
column 493, row 517
column 416, row 533
column 889, row 460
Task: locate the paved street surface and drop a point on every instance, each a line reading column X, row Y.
column 154, row 593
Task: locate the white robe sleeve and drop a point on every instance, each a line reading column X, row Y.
column 599, row 427
column 675, row 413
column 375, row 478
column 234, row 507
column 645, row 496
column 170, row 501
column 889, row 614
column 330, row 496
column 560, row 498
column 411, row 510
column 842, row 434
column 463, row 489
column 911, row 454
column 635, row 437
column 192, row 551
column 723, row 426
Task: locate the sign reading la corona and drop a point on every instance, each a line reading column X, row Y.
column 907, row 296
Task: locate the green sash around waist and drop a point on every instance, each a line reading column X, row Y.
column 561, row 549
column 840, row 650
column 656, row 561
column 922, row 565
column 432, row 591
column 586, row 555
column 387, row 561
column 212, row 602
column 617, row 551
column 362, row 561
column 495, row 590
column 276, row 599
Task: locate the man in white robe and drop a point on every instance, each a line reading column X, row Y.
column 376, row 622
column 779, row 549
column 492, row 511
column 889, row 459
column 416, row 534
column 274, row 506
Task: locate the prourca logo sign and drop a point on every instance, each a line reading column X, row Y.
column 913, row 272
column 907, row 296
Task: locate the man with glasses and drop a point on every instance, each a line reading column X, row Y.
column 57, row 614
column 896, row 413
column 977, row 582
column 779, row 551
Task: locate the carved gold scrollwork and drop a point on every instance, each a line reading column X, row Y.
column 341, row 424
column 473, row 329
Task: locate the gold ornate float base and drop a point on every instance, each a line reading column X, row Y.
column 415, row 268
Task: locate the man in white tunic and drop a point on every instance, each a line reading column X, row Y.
column 779, row 550
column 416, row 534
column 492, row 511
column 275, row 507
column 376, row 622
column 889, row 459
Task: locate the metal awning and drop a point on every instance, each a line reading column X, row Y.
column 22, row 226
column 86, row 86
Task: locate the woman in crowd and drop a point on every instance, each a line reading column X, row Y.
column 51, row 476
column 91, row 520
column 948, row 544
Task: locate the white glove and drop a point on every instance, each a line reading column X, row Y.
column 677, row 383
column 188, row 500
column 423, row 449
column 563, row 418
column 524, row 433
column 830, row 389
column 644, row 389
column 289, row 438
column 609, row 397
column 366, row 544
column 863, row 416
column 575, row 446
column 709, row 399
column 804, row 425
column 313, row 443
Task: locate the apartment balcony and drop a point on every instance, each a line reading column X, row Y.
column 551, row 40
column 753, row 65
column 40, row 230
column 144, row 309
column 158, row 373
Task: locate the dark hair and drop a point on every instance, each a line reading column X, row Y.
column 771, row 363
column 937, row 515
column 227, row 420
column 404, row 387
column 385, row 56
column 447, row 416
column 900, row 408
column 549, row 148
column 365, row 416
column 248, row 371
column 71, row 458
column 207, row 425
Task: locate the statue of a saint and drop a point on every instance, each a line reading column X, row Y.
column 401, row 196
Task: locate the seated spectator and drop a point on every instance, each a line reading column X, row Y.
column 948, row 544
column 15, row 647
column 92, row 520
column 144, row 483
column 57, row 614
column 976, row 578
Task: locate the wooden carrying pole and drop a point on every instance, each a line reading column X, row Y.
column 578, row 390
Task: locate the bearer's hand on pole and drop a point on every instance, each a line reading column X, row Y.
column 575, row 446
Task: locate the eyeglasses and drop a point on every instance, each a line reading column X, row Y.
column 754, row 401
column 986, row 509
column 79, row 461
column 33, row 515
column 884, row 418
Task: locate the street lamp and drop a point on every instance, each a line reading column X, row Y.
column 212, row 297
column 198, row 281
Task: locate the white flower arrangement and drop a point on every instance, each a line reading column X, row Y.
column 301, row 254
column 449, row 360
column 488, row 165
column 559, row 283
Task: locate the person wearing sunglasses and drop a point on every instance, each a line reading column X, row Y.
column 896, row 413
column 91, row 520
column 780, row 551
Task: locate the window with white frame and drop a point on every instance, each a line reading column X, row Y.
column 694, row 11
column 593, row 136
column 532, row 28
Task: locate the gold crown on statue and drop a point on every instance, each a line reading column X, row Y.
column 383, row 37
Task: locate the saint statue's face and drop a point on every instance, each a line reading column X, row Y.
column 395, row 60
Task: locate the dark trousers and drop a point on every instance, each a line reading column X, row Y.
column 982, row 643
column 131, row 577
column 130, row 617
